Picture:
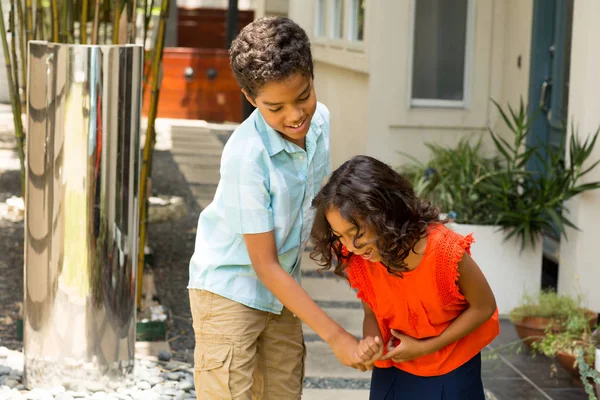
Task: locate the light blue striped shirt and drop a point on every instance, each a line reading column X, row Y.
column 267, row 183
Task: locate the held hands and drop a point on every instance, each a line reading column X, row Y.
column 408, row 348
column 362, row 355
column 370, row 349
column 352, row 353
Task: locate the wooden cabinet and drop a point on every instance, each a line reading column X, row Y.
column 206, row 28
column 198, row 84
column 197, row 80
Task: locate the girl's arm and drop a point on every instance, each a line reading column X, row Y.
column 482, row 305
column 370, row 325
column 372, row 344
column 263, row 255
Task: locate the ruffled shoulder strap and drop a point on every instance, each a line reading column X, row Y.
column 450, row 249
column 359, row 280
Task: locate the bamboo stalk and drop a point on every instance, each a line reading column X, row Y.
column 38, row 30
column 71, row 21
column 13, row 46
column 16, row 105
column 147, row 17
column 22, row 46
column 133, row 23
column 84, row 20
column 150, row 141
column 54, row 11
column 29, row 19
column 106, row 19
column 124, row 26
column 116, row 19
column 64, row 27
column 96, row 25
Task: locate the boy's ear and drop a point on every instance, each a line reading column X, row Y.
column 249, row 98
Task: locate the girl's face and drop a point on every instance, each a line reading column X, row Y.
column 349, row 235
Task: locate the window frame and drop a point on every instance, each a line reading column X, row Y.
column 468, row 68
column 320, row 27
column 354, row 6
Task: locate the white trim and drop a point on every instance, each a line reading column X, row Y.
column 437, row 103
column 468, row 59
column 353, row 8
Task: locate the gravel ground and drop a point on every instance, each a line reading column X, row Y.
column 172, row 244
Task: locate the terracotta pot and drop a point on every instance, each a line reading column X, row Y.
column 567, row 361
column 533, row 329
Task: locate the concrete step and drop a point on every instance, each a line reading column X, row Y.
column 321, row 363
column 329, row 289
column 200, row 175
column 350, row 319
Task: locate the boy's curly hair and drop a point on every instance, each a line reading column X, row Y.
column 368, row 193
column 269, row 49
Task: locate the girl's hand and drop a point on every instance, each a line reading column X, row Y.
column 372, row 349
column 408, row 349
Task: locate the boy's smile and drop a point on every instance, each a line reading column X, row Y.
column 288, row 106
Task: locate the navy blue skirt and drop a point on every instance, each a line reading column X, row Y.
column 464, row 383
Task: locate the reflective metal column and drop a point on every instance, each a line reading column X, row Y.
column 81, row 213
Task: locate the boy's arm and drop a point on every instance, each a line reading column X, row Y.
column 263, row 254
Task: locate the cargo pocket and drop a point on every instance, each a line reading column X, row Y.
column 212, row 364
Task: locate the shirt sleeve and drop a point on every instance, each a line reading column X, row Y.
column 451, row 249
column 246, row 197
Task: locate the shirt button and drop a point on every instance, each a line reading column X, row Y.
column 301, row 156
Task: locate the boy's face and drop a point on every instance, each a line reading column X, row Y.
column 287, row 106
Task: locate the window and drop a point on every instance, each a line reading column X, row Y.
column 337, row 26
column 440, row 59
column 357, row 20
column 320, row 19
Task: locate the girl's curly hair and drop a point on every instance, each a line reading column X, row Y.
column 269, row 49
column 368, row 193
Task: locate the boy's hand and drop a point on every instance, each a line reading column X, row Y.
column 371, row 347
column 346, row 348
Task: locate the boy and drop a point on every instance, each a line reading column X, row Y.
column 245, row 271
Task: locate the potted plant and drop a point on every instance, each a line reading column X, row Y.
column 545, row 312
column 571, row 346
column 507, row 206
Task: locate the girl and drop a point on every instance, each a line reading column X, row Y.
column 422, row 293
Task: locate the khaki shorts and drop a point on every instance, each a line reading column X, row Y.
column 242, row 353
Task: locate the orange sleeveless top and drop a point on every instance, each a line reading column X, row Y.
column 423, row 302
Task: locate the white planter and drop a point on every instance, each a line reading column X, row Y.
column 510, row 272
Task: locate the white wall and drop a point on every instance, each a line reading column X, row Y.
column 348, row 107
column 378, row 75
column 579, row 265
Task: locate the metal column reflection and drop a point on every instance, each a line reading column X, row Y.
column 81, row 213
